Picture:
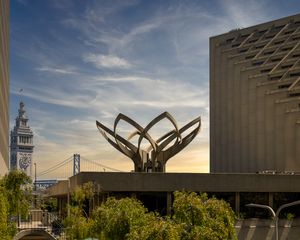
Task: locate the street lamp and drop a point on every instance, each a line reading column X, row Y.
column 274, row 215
column 35, row 186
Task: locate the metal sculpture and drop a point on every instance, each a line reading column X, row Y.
column 155, row 157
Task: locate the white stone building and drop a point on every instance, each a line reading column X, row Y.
column 21, row 144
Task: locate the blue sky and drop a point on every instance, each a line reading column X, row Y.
column 81, row 61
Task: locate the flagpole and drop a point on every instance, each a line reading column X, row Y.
column 21, row 95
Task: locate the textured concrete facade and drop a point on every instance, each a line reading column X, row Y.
column 255, row 98
column 170, row 182
column 153, row 185
column 4, row 85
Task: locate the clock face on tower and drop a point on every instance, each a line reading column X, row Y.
column 25, row 160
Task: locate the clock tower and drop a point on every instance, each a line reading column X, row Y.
column 21, row 144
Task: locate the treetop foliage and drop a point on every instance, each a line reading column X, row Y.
column 194, row 217
column 15, row 194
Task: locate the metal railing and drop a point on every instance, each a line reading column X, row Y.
column 42, row 220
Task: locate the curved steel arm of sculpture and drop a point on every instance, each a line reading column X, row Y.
column 170, row 152
column 155, row 121
column 135, row 133
column 134, row 124
column 160, row 149
column 161, row 139
column 103, row 130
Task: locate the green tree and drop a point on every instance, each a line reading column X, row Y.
column 115, row 218
column 7, row 228
column 18, row 189
column 77, row 224
column 203, row 218
column 14, row 200
column 195, row 217
column 49, row 204
column 127, row 218
column 158, row 228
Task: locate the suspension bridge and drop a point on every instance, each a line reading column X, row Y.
column 70, row 167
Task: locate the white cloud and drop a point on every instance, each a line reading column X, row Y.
column 52, row 94
column 166, row 104
column 106, row 61
column 113, row 78
column 66, row 70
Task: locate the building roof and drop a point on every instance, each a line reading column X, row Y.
column 170, row 182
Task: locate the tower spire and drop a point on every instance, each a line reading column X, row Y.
column 22, row 110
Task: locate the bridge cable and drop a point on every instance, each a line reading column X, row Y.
column 101, row 165
column 51, row 169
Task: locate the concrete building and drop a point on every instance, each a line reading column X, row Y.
column 155, row 190
column 21, row 143
column 4, row 85
column 255, row 98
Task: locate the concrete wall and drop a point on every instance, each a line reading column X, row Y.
column 254, row 101
column 169, row 182
column 236, row 187
column 4, row 85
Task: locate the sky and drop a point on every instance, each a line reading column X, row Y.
column 82, row 61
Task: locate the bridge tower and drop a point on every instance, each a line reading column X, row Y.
column 76, row 164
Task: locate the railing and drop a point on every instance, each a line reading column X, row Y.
column 42, row 220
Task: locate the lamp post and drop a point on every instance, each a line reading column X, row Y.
column 35, row 185
column 274, row 215
column 68, row 197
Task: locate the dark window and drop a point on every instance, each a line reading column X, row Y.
column 286, row 66
column 252, row 40
column 296, row 74
column 284, row 86
column 279, row 27
column 257, row 63
column 250, row 56
column 275, row 59
column 275, row 78
column 262, row 31
column 268, row 53
column 295, row 94
column 286, row 48
column 245, row 35
column 243, row 50
column 261, row 46
column 279, row 42
column 229, row 40
column 296, row 38
column 296, row 55
column 236, row 45
column 270, row 36
column 265, row 70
